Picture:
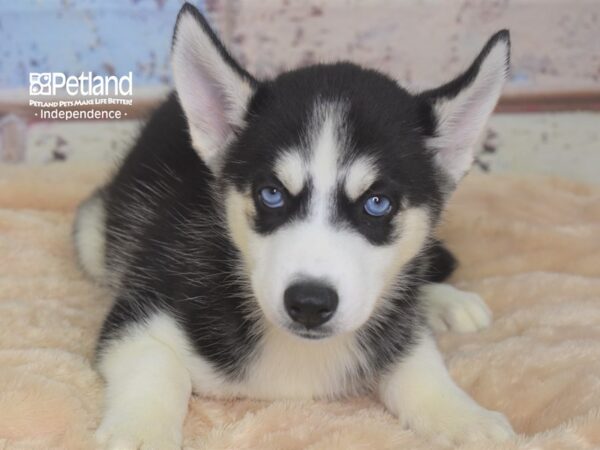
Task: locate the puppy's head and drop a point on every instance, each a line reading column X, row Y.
column 331, row 176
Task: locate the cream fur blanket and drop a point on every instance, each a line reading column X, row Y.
column 530, row 247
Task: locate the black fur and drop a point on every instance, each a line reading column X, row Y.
column 167, row 247
column 177, row 255
column 442, row 263
column 384, row 122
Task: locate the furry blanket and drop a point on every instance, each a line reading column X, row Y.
column 530, row 247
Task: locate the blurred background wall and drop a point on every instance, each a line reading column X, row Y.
column 548, row 120
column 105, row 37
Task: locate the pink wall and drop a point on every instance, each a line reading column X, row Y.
column 556, row 43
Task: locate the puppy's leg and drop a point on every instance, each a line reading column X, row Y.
column 421, row 393
column 147, row 394
column 448, row 308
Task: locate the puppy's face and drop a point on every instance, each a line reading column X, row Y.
column 332, row 175
column 326, row 199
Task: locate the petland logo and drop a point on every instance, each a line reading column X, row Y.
column 83, row 97
column 48, row 83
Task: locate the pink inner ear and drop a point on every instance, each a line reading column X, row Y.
column 463, row 119
column 209, row 107
column 210, row 87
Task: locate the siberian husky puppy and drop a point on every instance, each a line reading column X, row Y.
column 275, row 239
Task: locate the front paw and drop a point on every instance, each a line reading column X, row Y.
column 450, row 309
column 462, row 425
column 141, row 433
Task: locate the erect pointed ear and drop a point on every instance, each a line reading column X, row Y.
column 213, row 89
column 462, row 107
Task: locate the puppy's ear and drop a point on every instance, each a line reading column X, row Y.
column 213, row 89
column 461, row 108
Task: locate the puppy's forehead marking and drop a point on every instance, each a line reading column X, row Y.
column 290, row 169
column 325, row 150
column 359, row 176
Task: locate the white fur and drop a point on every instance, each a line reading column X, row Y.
column 284, row 366
column 90, row 236
column 147, row 388
column 212, row 94
column 150, row 372
column 359, row 271
column 361, row 174
column 425, row 399
column 327, row 127
column 461, row 119
column 151, row 369
column 450, row 309
column 291, row 171
column 289, row 367
column 292, row 367
column 314, row 247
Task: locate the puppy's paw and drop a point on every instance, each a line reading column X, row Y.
column 480, row 424
column 140, row 434
column 450, row 309
column 422, row 394
column 467, row 424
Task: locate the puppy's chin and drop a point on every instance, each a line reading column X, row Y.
column 316, row 334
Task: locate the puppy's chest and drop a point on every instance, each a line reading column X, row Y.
column 287, row 367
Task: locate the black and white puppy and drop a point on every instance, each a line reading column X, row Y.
column 275, row 239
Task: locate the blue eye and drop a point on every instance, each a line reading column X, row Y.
column 271, row 197
column 377, row 205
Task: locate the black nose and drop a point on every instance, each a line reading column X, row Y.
column 310, row 303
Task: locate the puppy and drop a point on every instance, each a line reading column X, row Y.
column 275, row 239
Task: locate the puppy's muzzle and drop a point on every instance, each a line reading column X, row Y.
column 310, row 303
